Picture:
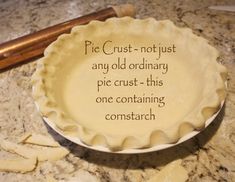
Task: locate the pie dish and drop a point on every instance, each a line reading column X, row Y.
column 127, row 83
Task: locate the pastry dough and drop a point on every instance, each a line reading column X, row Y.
column 44, row 154
column 18, row 165
column 172, row 172
column 38, row 139
column 186, row 87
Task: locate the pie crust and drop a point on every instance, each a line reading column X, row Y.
column 66, row 85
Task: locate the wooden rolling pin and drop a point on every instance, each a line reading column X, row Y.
column 33, row 45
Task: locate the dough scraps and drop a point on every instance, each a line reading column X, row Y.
column 172, row 172
column 38, row 139
column 44, row 154
column 18, row 165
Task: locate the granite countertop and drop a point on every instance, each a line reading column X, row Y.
column 210, row 156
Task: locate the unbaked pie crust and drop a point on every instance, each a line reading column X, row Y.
column 193, row 89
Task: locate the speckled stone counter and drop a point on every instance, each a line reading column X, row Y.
column 210, row 156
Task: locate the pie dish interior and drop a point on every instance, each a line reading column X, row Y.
column 65, row 86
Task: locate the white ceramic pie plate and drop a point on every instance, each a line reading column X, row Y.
column 131, row 151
